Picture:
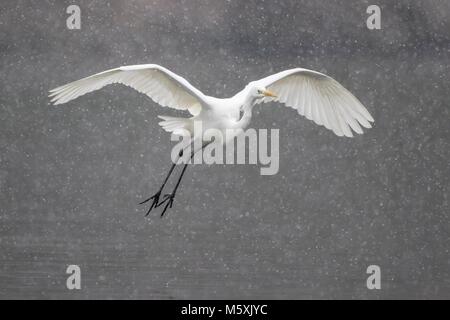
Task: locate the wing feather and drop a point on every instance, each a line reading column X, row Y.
column 319, row 98
column 160, row 84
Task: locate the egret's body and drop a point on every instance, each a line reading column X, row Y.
column 316, row 96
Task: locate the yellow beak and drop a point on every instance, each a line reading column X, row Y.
column 267, row 93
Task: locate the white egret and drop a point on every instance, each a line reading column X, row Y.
column 316, row 96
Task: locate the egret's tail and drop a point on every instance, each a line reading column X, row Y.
column 178, row 126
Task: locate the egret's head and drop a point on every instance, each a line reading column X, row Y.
column 261, row 92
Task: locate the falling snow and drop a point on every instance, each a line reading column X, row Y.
column 71, row 176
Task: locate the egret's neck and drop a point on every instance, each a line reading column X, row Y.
column 246, row 108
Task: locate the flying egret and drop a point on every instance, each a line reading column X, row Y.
column 316, row 96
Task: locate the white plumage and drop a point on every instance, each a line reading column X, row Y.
column 320, row 98
column 314, row 95
column 163, row 86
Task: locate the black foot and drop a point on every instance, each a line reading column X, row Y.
column 169, row 199
column 155, row 202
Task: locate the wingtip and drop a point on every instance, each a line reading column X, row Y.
column 348, row 134
column 55, row 101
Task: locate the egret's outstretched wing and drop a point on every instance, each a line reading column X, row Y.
column 160, row 84
column 320, row 98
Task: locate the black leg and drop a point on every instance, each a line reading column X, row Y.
column 157, row 195
column 170, row 197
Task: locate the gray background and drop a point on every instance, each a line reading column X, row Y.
column 71, row 176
